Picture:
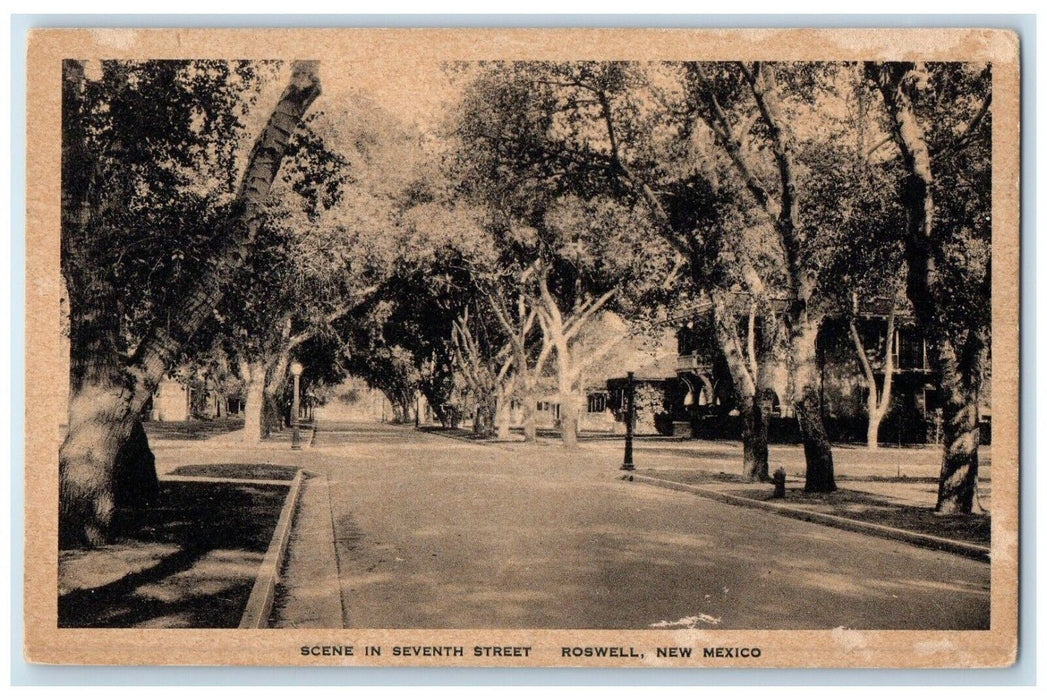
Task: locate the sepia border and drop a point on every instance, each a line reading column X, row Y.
column 45, row 643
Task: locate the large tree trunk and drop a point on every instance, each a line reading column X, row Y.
column 958, row 482
column 568, row 398
column 872, row 431
column 484, row 420
column 569, row 418
column 503, row 417
column 960, row 376
column 754, row 422
column 104, row 462
column 530, row 427
column 254, row 403
column 99, row 425
column 754, row 439
column 103, row 414
column 817, row 450
column 565, row 378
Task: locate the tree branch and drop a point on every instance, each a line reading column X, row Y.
column 721, row 128
column 764, row 88
column 575, row 324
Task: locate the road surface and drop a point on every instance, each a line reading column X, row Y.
column 433, row 532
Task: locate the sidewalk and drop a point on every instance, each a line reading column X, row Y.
column 308, row 592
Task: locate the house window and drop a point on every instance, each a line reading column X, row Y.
column 549, row 407
column 908, row 349
column 597, row 403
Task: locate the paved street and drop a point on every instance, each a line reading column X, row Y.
column 432, row 532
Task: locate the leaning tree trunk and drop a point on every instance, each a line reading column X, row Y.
column 103, row 414
column 817, row 451
column 958, row 482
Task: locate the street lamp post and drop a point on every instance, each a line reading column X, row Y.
column 630, row 418
column 296, row 434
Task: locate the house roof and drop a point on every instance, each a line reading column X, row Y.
column 663, row 367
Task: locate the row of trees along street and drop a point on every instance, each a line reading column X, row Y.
column 218, row 215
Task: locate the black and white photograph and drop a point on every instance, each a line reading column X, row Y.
column 422, row 357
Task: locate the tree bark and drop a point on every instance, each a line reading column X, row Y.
column 961, row 385
column 102, row 418
column 502, row 417
column 754, row 439
column 87, row 462
column 558, row 334
column 754, row 422
column 565, row 378
column 529, row 398
column 960, row 359
column 254, row 402
column 817, row 451
column 526, row 376
column 782, row 210
column 877, row 403
column 484, row 420
column 569, row 418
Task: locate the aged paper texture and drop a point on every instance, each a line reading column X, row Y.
column 579, row 347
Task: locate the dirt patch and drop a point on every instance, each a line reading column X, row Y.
column 190, row 562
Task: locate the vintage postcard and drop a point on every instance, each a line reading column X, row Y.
column 530, row 348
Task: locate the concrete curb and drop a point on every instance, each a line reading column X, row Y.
column 260, row 603
column 965, row 549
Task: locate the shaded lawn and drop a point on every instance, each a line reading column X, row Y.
column 856, row 505
column 190, row 562
column 273, row 472
column 191, row 429
column 468, row 434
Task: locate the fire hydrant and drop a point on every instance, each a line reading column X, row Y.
column 778, row 479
